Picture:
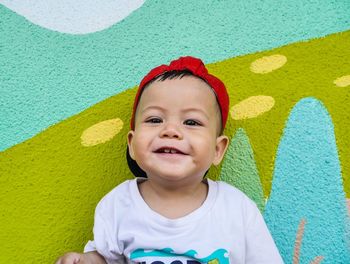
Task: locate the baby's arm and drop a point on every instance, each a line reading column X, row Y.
column 81, row 258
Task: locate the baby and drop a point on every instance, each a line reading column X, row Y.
column 172, row 214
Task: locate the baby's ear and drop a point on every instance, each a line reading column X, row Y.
column 220, row 149
column 130, row 145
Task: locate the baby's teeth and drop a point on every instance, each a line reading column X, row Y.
column 173, row 151
column 166, row 150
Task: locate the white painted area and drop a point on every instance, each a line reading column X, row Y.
column 74, row 16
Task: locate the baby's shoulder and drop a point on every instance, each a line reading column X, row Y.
column 118, row 197
column 228, row 189
column 232, row 196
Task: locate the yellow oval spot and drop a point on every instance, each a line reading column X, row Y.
column 342, row 81
column 252, row 107
column 268, row 63
column 101, row 132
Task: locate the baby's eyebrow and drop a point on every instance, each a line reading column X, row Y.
column 154, row 107
column 193, row 109
column 186, row 110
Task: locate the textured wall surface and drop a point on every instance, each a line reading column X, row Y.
column 66, row 96
column 67, row 73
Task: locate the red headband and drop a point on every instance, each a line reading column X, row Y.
column 197, row 68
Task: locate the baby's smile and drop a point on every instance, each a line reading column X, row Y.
column 170, row 150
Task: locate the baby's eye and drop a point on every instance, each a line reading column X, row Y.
column 191, row 122
column 154, row 120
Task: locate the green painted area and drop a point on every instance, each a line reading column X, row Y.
column 51, row 183
column 239, row 169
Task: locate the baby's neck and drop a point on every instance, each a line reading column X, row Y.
column 173, row 203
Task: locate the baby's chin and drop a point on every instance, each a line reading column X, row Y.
column 176, row 177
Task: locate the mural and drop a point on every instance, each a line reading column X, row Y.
column 66, row 99
column 68, row 73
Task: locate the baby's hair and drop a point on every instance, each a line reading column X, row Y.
column 173, row 75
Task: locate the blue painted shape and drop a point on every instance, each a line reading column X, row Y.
column 73, row 72
column 307, row 184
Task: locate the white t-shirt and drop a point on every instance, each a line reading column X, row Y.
column 227, row 228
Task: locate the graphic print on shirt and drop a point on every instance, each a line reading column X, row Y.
column 168, row 256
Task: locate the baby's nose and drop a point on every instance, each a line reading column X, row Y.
column 171, row 131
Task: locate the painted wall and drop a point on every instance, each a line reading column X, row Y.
column 67, row 78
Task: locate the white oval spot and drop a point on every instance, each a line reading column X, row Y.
column 74, row 17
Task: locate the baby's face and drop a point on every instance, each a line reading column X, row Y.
column 176, row 130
